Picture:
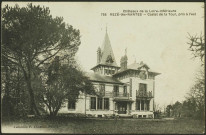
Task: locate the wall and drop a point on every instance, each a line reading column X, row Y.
column 80, row 105
column 135, row 87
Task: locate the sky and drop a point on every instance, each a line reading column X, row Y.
column 158, row 41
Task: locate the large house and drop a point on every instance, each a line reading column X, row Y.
column 128, row 90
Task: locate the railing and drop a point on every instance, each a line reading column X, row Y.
column 144, row 94
column 106, row 94
column 120, row 94
column 113, row 94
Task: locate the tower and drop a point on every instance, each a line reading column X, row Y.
column 106, row 63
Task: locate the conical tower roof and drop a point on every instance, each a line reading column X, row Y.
column 107, row 52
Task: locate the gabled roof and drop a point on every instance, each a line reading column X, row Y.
column 137, row 66
column 102, row 78
column 107, row 51
column 133, row 66
column 105, row 66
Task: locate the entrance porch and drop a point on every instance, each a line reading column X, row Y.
column 123, row 108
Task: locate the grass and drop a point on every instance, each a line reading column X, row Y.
column 104, row 126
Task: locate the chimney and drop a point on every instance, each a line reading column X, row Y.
column 98, row 55
column 123, row 63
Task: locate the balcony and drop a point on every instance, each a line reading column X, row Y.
column 104, row 94
column 113, row 94
column 120, row 94
column 141, row 94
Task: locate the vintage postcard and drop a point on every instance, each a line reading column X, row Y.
column 103, row 67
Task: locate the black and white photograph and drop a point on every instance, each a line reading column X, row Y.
column 103, row 67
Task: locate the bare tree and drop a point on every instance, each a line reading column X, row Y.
column 197, row 46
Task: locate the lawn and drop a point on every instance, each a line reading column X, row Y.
column 104, row 126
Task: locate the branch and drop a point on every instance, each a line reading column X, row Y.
column 45, row 50
column 48, row 58
column 25, row 74
column 52, row 55
column 7, row 57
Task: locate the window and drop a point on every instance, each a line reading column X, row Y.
column 125, row 89
column 71, row 104
column 142, row 89
column 142, row 105
column 143, row 75
column 106, row 71
column 102, row 88
column 147, row 105
column 106, row 103
column 99, row 103
column 93, row 103
column 138, row 105
column 102, row 103
column 116, row 90
column 112, row 71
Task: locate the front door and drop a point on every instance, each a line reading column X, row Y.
column 122, row 107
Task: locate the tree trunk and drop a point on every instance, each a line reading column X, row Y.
column 27, row 77
column 7, row 110
column 7, row 78
column 33, row 106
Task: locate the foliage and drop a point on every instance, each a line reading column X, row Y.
column 194, row 105
column 188, row 108
column 13, row 88
column 30, row 38
column 197, row 95
column 64, row 82
column 168, row 110
column 177, row 108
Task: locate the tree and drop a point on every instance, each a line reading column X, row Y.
column 168, row 110
column 64, row 82
column 188, row 108
column 176, row 109
column 31, row 37
column 197, row 95
column 12, row 88
column 157, row 111
column 197, row 46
